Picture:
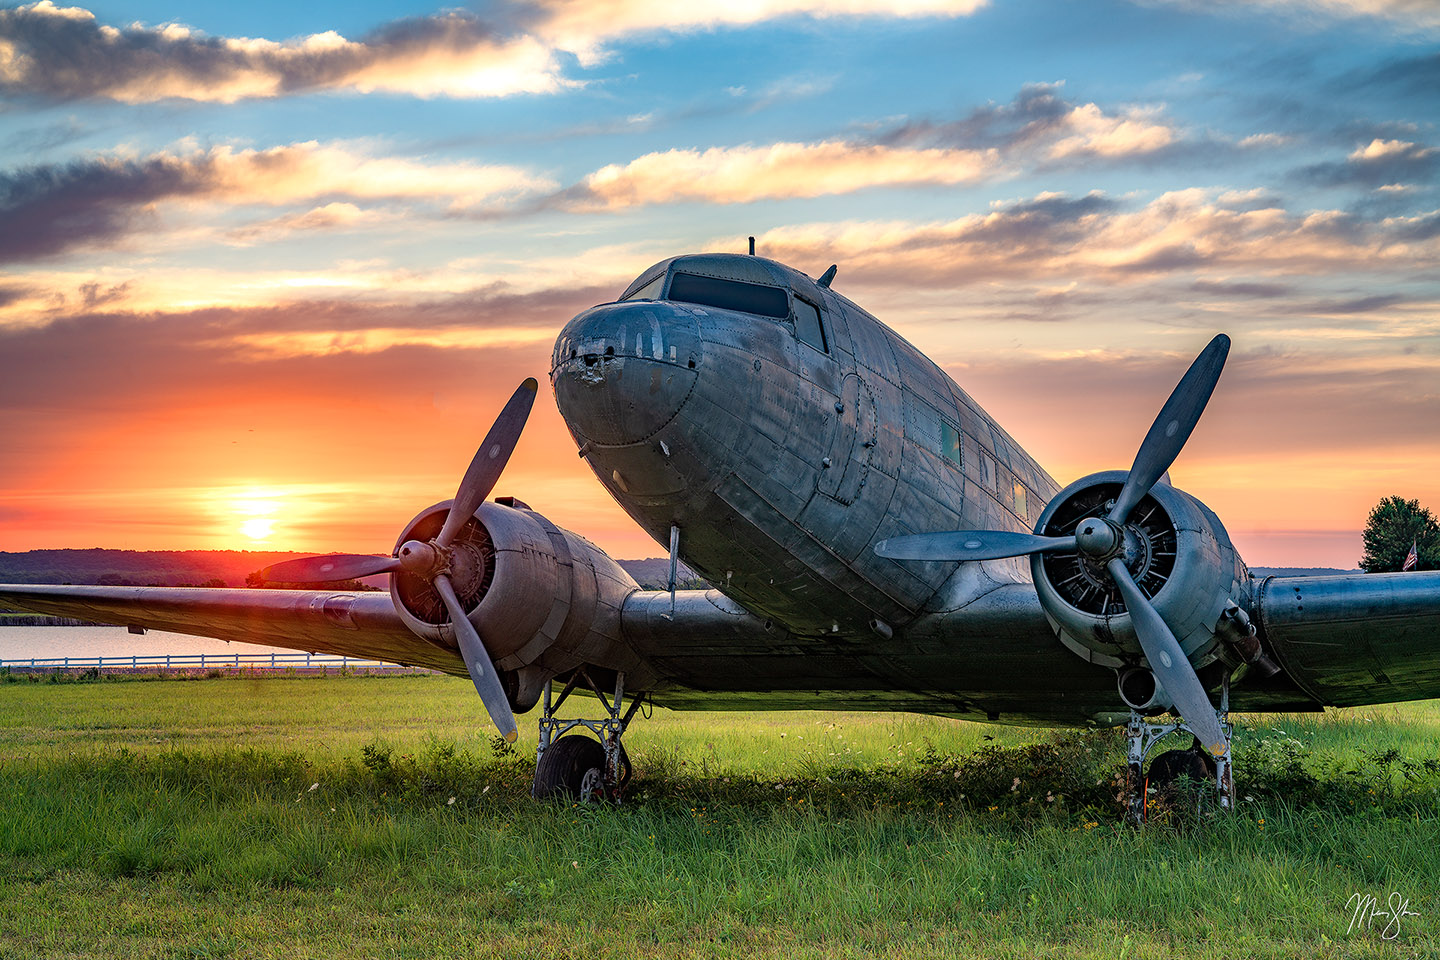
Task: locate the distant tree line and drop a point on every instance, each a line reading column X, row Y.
column 254, row 579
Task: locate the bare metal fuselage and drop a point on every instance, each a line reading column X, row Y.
column 782, row 462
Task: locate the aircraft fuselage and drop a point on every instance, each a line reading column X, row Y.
column 784, row 446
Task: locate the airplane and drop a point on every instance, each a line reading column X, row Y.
column 873, row 540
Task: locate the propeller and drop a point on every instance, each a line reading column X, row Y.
column 970, row 545
column 431, row 561
column 1103, row 540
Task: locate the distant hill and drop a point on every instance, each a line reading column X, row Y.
column 176, row 568
column 160, row 568
column 1301, row 571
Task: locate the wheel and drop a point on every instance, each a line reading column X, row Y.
column 573, row 767
column 1169, row 767
column 1180, row 779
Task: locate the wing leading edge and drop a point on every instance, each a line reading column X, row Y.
column 348, row 624
column 1356, row 639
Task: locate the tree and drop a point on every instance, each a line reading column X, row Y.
column 253, row 579
column 1394, row 525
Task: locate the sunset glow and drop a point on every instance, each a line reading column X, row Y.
column 270, row 272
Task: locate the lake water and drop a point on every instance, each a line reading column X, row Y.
column 22, row 643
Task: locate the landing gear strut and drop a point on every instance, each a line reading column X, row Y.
column 1143, row 736
column 576, row 766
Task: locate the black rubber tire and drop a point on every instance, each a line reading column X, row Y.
column 563, row 766
column 1166, row 769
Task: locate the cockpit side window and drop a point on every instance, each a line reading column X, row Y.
column 808, row 326
column 731, row 295
column 651, row 290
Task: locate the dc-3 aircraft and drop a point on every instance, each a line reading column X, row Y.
column 874, row 539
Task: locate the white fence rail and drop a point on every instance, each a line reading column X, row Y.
column 204, row 661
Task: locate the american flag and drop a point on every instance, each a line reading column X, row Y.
column 1411, row 559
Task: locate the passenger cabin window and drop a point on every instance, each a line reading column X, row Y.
column 809, row 329
column 731, row 295
column 651, row 290
column 950, row 442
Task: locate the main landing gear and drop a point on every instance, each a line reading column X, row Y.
column 572, row 765
column 1195, row 763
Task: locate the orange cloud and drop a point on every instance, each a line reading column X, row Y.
column 63, row 53
column 1052, row 237
column 582, row 25
column 1039, row 129
column 744, row 174
column 52, row 209
column 1089, row 131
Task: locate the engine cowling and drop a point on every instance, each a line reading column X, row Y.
column 544, row 600
column 1176, row 549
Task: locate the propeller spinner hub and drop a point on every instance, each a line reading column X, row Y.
column 421, row 559
column 1099, row 538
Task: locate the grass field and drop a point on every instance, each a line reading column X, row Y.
column 360, row 817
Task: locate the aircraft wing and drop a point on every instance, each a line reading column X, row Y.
column 1356, row 638
column 363, row 625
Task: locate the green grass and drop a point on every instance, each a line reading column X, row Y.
column 314, row 817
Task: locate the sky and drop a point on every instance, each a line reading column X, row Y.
column 268, row 270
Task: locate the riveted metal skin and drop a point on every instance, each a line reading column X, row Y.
column 633, row 366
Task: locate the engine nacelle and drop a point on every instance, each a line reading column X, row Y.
column 543, row 599
column 1178, row 552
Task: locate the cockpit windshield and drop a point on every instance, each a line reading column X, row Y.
column 650, row 291
column 753, row 298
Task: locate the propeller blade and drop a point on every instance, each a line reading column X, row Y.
column 482, row 670
column 328, row 569
column 1173, row 426
column 1168, row 662
column 489, row 460
column 970, row 545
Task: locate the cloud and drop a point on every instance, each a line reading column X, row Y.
column 1321, row 397
column 1376, row 164
column 51, row 209
column 1037, row 130
column 1053, row 237
column 1047, row 130
column 319, row 325
column 13, row 293
column 1404, row 14
column 747, row 173
column 1413, row 76
column 63, row 53
column 382, row 399
column 1408, row 16
column 1258, row 291
column 1353, row 305
column 583, row 25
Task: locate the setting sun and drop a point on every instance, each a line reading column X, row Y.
column 256, row 510
column 258, row 528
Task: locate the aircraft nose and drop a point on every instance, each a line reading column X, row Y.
column 622, row 371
